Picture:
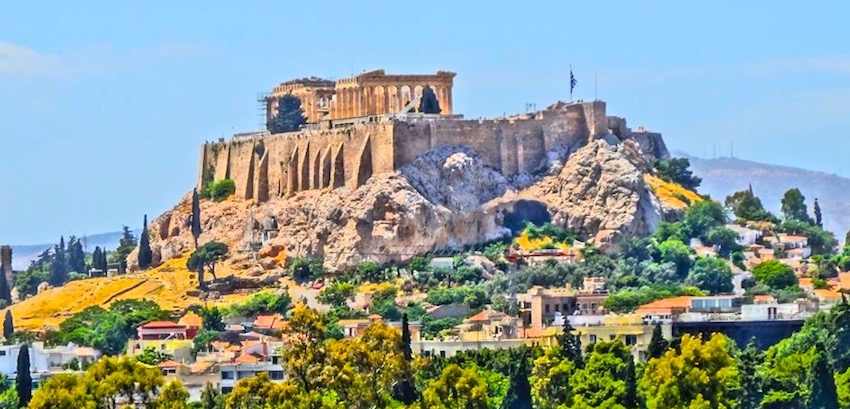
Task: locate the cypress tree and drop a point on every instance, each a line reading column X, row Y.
column 8, row 325
column 658, row 345
column 818, row 214
column 208, row 397
column 822, row 391
column 76, row 256
column 59, row 266
column 145, row 255
column 571, row 345
column 196, row 216
column 95, row 258
column 23, row 382
column 751, row 384
column 5, row 287
column 104, row 261
column 405, row 389
column 631, row 399
column 520, row 390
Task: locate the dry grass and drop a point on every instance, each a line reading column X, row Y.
column 671, row 194
column 167, row 285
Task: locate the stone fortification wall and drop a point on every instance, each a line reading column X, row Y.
column 265, row 166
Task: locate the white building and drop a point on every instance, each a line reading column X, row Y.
column 746, row 236
column 233, row 373
column 44, row 361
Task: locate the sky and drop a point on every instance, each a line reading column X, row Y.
column 103, row 106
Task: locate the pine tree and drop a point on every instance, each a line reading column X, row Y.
column 822, row 391
column 104, row 261
column 818, row 214
column 290, row 116
column 8, row 325
column 5, row 286
column 631, row 399
column 658, row 345
column 751, row 383
column 23, row 381
column 405, row 338
column 571, row 345
column 196, row 216
column 145, row 255
column 209, row 396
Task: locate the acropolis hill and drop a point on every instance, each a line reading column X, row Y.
column 359, row 127
column 384, row 170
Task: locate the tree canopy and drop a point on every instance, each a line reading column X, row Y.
column 289, row 116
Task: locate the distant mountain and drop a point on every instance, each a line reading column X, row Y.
column 723, row 176
column 22, row 255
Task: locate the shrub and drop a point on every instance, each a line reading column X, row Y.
column 219, row 190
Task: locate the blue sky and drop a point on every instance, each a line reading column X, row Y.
column 103, row 107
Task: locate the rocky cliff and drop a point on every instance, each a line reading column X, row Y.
column 447, row 198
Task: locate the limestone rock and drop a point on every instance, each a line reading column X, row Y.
column 447, row 198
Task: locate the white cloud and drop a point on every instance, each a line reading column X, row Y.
column 17, row 60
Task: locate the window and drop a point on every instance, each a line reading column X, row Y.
column 557, row 307
column 631, row 340
column 547, row 308
column 593, row 306
column 526, row 305
column 276, row 375
column 584, row 306
column 227, row 375
column 612, row 337
column 442, row 354
column 566, row 307
column 592, row 338
column 275, row 360
column 2, row 353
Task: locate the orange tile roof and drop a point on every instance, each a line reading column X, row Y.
column 764, row 298
column 266, row 321
column 375, row 317
column 162, row 324
column 805, row 282
column 169, row 364
column 844, row 281
column 191, row 320
column 827, row 294
column 218, row 345
column 666, row 305
column 246, row 359
column 483, row 316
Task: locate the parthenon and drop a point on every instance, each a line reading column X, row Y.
column 366, row 94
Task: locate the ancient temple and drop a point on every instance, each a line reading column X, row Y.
column 366, row 94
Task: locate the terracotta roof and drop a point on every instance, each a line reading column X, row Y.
column 201, row 366
column 827, row 295
column 484, row 316
column 266, row 321
column 804, row 282
column 218, row 345
column 169, row 364
column 191, row 320
column 375, row 317
column 666, row 305
column 844, row 280
column 793, row 238
column 765, row 298
column 246, row 359
column 162, row 324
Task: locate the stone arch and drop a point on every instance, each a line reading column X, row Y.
column 364, row 165
column 304, row 169
column 263, row 178
column 292, row 172
column 315, row 167
column 338, row 167
column 325, row 174
column 406, row 95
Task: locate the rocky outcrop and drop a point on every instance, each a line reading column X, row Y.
column 447, row 198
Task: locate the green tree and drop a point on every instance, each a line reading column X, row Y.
column 724, row 238
column 820, row 240
column 818, row 214
column 8, row 325
column 66, row 391
column 172, row 396
column 405, row 390
column 698, row 375
column 289, row 116
column 76, row 256
column 550, row 380
column 5, row 290
column 676, row 170
column 822, row 390
column 676, row 252
column 746, row 206
column 207, row 256
column 794, row 206
column 304, row 268
column 211, row 318
column 125, row 246
column 711, row 274
column 519, row 395
column 774, row 274
column 23, row 379
column 151, row 356
column 700, row 217
column 658, row 344
column 456, row 388
column 219, row 190
column 145, row 254
column 570, row 344
column 95, row 259
column 603, row 380
column 748, row 362
column 195, row 218
column 209, row 397
column 59, row 266
column 203, row 339
column 336, row 294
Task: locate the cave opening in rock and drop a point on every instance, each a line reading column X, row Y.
column 524, row 211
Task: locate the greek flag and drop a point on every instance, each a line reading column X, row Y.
column 573, row 81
